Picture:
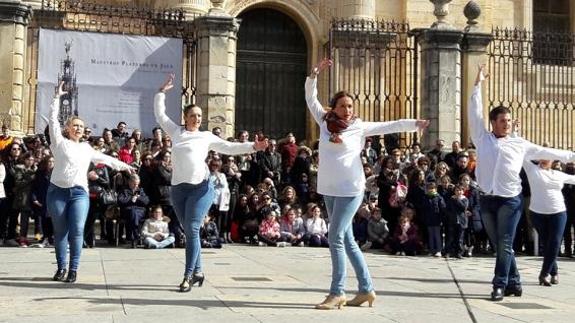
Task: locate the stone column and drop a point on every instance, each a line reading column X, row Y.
column 474, row 53
column 13, row 21
column 528, row 14
column 440, row 78
column 217, row 36
column 191, row 7
column 358, row 9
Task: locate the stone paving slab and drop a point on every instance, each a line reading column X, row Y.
column 265, row 284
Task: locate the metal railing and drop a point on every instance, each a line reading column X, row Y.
column 533, row 74
column 377, row 62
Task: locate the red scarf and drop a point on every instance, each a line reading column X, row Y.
column 335, row 126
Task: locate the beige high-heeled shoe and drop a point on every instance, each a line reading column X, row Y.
column 331, row 302
column 361, row 298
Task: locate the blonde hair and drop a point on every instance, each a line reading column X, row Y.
column 71, row 119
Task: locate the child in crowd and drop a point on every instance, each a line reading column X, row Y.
column 269, row 230
column 359, row 224
column 209, row 234
column 155, row 230
column 291, row 228
column 377, row 231
column 315, row 227
column 457, row 221
column 433, row 209
column 406, row 238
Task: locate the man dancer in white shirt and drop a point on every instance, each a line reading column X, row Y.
column 499, row 161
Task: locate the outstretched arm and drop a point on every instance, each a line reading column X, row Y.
column 313, row 104
column 536, row 152
column 160, row 107
column 475, row 111
column 404, row 125
column 237, row 148
column 99, row 157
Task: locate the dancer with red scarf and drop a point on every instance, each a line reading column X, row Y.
column 342, row 183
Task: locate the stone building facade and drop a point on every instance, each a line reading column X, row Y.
column 448, row 52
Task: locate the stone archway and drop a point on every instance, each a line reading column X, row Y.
column 272, row 60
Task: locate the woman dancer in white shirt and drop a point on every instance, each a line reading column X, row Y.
column 342, row 183
column 548, row 212
column 192, row 192
column 67, row 195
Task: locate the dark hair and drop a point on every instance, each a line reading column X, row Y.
column 338, row 96
column 189, row 107
column 497, row 111
column 121, row 123
column 430, row 185
column 266, row 210
column 458, row 187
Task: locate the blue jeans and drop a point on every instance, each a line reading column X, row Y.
column 68, row 208
column 192, row 203
column 550, row 228
column 155, row 244
column 500, row 218
column 341, row 242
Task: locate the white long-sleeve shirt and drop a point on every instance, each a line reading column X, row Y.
column 499, row 160
column 340, row 169
column 190, row 148
column 546, row 186
column 315, row 226
column 72, row 159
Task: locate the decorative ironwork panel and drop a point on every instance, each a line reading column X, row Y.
column 86, row 16
column 271, row 69
column 377, row 62
column 533, row 75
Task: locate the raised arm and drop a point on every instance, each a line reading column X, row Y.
column 313, row 104
column 475, row 111
column 160, row 108
column 54, row 125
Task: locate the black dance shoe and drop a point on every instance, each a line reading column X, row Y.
column 59, row 275
column 515, row 290
column 497, row 294
column 197, row 278
column 185, row 286
column 71, row 276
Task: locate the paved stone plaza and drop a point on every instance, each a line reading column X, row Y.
column 267, row 284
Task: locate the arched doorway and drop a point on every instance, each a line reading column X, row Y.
column 270, row 74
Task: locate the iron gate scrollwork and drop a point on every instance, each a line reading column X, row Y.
column 87, row 16
column 533, row 74
column 377, row 62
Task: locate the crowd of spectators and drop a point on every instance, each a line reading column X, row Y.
column 415, row 202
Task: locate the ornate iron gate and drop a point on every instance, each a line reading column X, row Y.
column 93, row 17
column 377, row 62
column 271, row 70
column 533, row 74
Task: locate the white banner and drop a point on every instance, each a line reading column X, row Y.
column 116, row 77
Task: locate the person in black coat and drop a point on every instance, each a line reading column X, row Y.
column 133, row 202
column 270, row 163
column 38, row 198
column 98, row 182
column 433, row 211
column 162, row 183
column 457, row 219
